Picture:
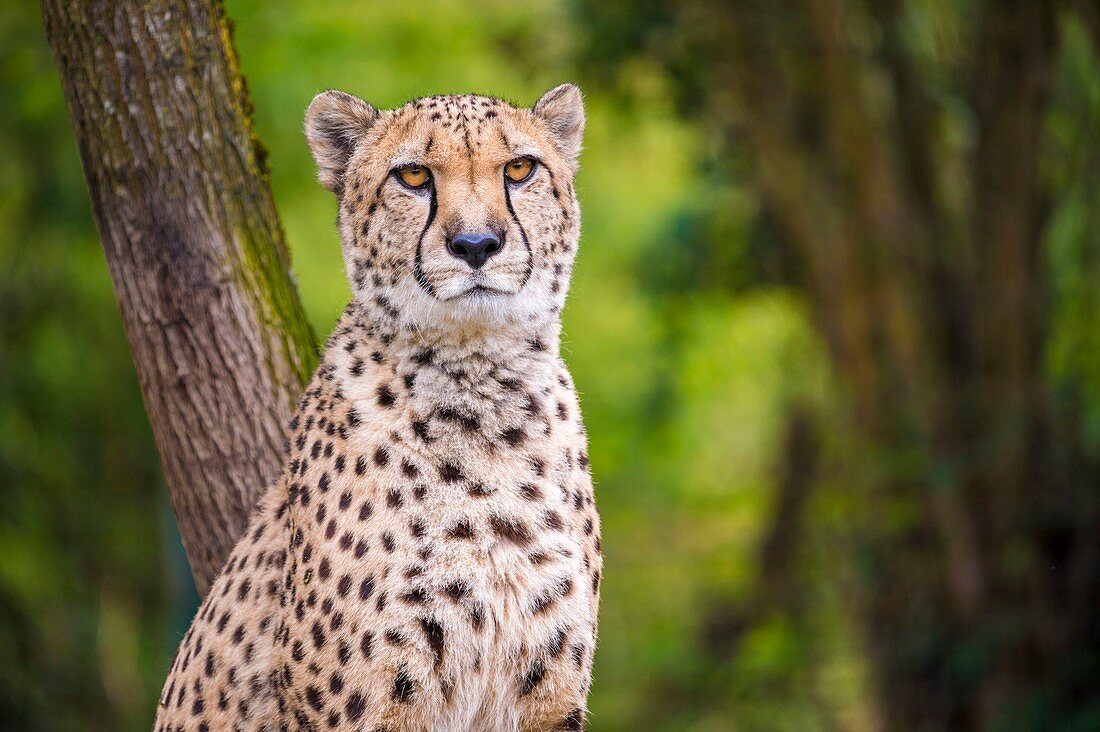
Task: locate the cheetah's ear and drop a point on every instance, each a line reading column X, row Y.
column 562, row 109
column 335, row 122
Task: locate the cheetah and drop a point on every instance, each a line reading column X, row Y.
column 429, row 557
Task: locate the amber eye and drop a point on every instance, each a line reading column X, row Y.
column 414, row 176
column 519, row 170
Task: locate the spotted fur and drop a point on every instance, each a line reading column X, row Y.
column 429, row 558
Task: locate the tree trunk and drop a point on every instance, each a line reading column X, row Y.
column 181, row 198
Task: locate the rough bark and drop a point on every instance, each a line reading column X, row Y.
column 195, row 247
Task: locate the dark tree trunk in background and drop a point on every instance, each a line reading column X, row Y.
column 181, row 198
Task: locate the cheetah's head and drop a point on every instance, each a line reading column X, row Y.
column 455, row 210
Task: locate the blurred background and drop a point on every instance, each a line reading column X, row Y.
column 835, row 324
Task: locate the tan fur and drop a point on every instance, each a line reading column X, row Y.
column 429, row 558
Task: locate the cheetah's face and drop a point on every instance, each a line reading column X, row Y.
column 454, row 208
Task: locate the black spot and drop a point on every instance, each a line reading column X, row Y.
column 461, row 530
column 513, row 436
column 433, row 632
column 381, row 457
column 366, row 588
column 366, row 644
column 573, row 722
column 386, row 396
column 343, row 587
column 355, row 707
column 533, row 678
column 557, row 643
column 457, row 590
column 511, row 529
column 450, row 472
column 468, row 422
column 417, row 596
column 402, row 686
column 313, row 696
column 343, row 653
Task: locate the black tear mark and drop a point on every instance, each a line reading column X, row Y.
column 522, row 234
column 418, row 270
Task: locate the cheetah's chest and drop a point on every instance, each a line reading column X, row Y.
column 448, row 575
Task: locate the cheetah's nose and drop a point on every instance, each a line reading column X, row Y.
column 474, row 249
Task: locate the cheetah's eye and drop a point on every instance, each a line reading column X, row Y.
column 414, row 176
column 520, row 169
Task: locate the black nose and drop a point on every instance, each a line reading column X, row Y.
column 474, row 249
